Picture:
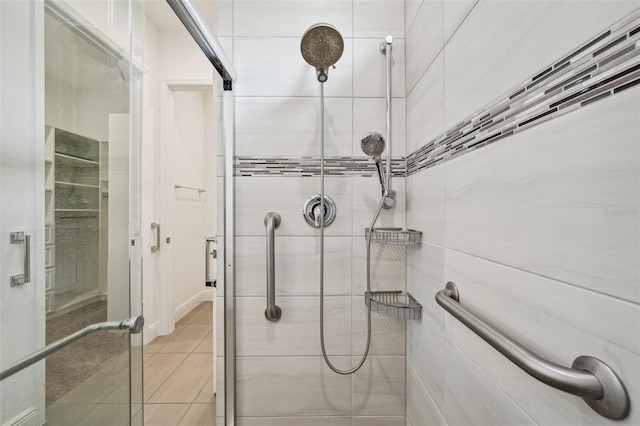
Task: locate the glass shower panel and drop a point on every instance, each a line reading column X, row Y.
column 76, row 197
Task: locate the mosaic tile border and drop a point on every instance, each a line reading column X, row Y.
column 603, row 67
column 310, row 166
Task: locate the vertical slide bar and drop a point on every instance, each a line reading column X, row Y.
column 388, row 62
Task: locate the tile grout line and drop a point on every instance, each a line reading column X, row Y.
column 196, row 311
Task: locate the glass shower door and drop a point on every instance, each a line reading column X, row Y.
column 69, row 218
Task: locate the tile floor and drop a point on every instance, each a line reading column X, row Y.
column 178, row 372
column 178, row 382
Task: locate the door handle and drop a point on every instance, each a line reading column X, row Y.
column 25, row 277
column 156, row 226
column 133, row 325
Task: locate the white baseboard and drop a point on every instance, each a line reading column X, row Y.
column 23, row 419
column 186, row 307
column 151, row 332
column 209, row 295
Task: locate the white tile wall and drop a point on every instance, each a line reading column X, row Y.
column 387, row 266
column 425, row 122
column 472, row 398
column 297, row 332
column 227, row 45
column 540, row 200
column 453, row 14
column 369, row 69
column 387, row 334
column 425, row 203
column 259, row 18
column 501, row 43
column 379, row 421
column 285, row 126
column 292, row 387
column 425, row 277
column 421, row 410
column 530, row 229
column 366, row 199
column 526, row 306
column 297, row 266
column 411, row 8
column 378, row 18
column 225, row 18
column 281, row 377
column 424, row 41
column 294, row 421
column 370, row 115
column 255, row 196
column 425, row 353
column 379, row 386
column 273, row 66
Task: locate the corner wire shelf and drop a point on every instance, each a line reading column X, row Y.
column 394, row 304
column 394, row 236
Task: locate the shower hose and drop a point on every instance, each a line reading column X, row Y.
column 373, row 222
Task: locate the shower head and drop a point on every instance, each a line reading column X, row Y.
column 322, row 46
column 373, row 145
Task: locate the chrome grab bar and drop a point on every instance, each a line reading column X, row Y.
column 589, row 378
column 134, row 325
column 273, row 311
column 25, row 277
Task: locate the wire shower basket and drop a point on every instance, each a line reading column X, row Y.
column 394, row 304
column 394, row 236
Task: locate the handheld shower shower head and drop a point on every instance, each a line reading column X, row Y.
column 322, row 46
column 373, row 145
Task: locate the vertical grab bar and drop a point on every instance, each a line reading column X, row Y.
column 273, row 312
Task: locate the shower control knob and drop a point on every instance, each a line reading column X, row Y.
column 313, row 210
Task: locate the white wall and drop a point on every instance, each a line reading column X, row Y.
column 191, row 209
column 150, row 172
column 181, row 58
column 85, row 112
column 173, row 59
column 22, row 310
column 112, row 19
column 521, row 225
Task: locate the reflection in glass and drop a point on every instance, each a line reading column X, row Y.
column 87, row 106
